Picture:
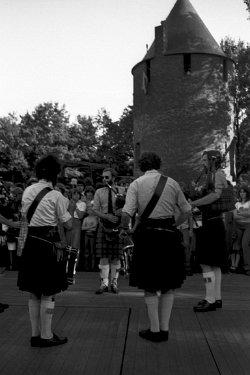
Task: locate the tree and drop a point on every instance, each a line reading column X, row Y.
column 240, row 88
column 247, row 2
column 115, row 140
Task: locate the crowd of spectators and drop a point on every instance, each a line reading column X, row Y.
column 81, row 193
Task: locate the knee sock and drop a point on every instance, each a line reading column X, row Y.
column 34, row 313
column 217, row 286
column 152, row 303
column 165, row 308
column 115, row 268
column 104, row 273
column 209, row 279
column 46, row 314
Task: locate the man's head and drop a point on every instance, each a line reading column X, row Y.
column 109, row 176
column 149, row 161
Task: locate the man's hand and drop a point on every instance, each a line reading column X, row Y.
column 112, row 218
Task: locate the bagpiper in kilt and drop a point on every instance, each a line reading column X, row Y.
column 109, row 247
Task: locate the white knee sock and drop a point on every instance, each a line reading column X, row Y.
column 104, row 273
column 152, row 303
column 165, row 308
column 46, row 314
column 209, row 279
column 34, row 313
column 115, row 268
column 217, row 286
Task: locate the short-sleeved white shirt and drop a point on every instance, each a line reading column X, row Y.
column 142, row 189
column 51, row 209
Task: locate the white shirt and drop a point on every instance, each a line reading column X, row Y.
column 51, row 209
column 142, row 189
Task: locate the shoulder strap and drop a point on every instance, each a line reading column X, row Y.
column 36, row 201
column 152, row 203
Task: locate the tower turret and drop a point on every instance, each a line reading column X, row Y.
column 182, row 104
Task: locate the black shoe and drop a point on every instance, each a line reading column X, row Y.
column 114, row 289
column 164, row 335
column 4, row 306
column 54, row 341
column 204, row 306
column 102, row 289
column 218, row 304
column 1, row 310
column 35, row 341
column 151, row 336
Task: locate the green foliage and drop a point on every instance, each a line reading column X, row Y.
column 247, row 2
column 240, row 89
column 47, row 129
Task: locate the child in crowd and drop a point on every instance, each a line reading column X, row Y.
column 89, row 226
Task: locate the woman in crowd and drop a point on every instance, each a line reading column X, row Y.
column 74, row 236
column 42, row 270
column 211, row 246
column 241, row 231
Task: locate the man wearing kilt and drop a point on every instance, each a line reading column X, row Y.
column 158, row 265
column 42, row 270
column 109, row 246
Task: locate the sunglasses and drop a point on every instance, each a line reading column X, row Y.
column 106, row 177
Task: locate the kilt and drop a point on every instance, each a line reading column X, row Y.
column 158, row 261
column 73, row 236
column 108, row 249
column 211, row 247
column 40, row 272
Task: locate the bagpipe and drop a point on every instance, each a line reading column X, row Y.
column 110, row 229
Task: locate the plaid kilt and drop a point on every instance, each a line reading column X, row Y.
column 108, row 249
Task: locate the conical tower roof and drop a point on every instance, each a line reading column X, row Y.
column 185, row 32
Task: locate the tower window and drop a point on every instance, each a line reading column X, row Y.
column 187, row 63
column 225, row 70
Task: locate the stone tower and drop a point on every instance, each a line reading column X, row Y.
column 182, row 104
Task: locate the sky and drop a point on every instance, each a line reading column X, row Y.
column 79, row 53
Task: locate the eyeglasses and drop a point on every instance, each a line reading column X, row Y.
column 105, row 177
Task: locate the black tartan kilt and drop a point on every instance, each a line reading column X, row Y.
column 39, row 271
column 211, row 243
column 158, row 262
column 108, row 249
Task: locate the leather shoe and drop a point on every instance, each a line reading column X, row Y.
column 151, row 336
column 164, row 335
column 54, row 341
column 218, row 304
column 102, row 289
column 35, row 341
column 204, row 306
column 4, row 306
column 114, row 289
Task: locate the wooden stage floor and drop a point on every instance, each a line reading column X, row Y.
column 103, row 332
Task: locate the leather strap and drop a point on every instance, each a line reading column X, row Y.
column 152, row 203
column 36, row 201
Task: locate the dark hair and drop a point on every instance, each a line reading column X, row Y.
column 247, row 191
column 89, row 189
column 48, row 168
column 214, row 157
column 75, row 191
column 111, row 170
column 148, row 161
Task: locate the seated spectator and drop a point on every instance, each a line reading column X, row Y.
column 241, row 231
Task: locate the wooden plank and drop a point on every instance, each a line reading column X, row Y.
column 228, row 335
column 96, row 341
column 186, row 352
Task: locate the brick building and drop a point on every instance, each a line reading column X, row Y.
column 182, row 104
